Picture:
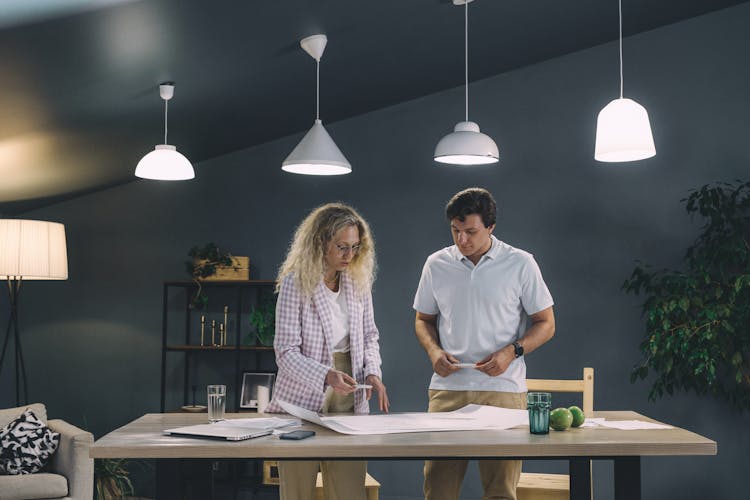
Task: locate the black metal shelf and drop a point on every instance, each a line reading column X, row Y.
column 229, row 348
column 240, row 290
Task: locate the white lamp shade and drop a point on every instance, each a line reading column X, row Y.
column 32, row 250
column 623, row 132
column 466, row 145
column 316, row 154
column 165, row 163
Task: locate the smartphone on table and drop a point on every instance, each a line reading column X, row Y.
column 297, row 435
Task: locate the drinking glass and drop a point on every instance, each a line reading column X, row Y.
column 539, row 404
column 217, row 398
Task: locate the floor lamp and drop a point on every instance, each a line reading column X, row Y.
column 29, row 250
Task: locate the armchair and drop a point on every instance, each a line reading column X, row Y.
column 70, row 473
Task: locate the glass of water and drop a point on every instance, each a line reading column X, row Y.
column 217, row 398
column 539, row 404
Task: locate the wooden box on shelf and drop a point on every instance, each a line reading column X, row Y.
column 239, row 270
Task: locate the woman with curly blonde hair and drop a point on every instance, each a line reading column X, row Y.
column 326, row 340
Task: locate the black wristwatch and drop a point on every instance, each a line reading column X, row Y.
column 518, row 349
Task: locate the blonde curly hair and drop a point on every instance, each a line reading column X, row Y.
column 305, row 258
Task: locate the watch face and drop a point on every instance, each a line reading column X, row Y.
column 518, row 349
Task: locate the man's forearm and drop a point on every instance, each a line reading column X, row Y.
column 540, row 332
column 427, row 335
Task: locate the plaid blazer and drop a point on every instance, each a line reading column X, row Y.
column 304, row 352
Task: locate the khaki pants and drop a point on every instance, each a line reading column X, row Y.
column 341, row 480
column 443, row 478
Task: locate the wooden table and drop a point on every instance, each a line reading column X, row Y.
column 142, row 438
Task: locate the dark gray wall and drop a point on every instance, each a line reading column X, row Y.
column 93, row 343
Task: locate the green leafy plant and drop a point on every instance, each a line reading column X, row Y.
column 112, row 479
column 263, row 319
column 202, row 264
column 698, row 320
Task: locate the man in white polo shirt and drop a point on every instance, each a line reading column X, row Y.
column 484, row 302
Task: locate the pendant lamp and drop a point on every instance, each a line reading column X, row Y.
column 316, row 153
column 165, row 163
column 466, row 145
column 623, row 131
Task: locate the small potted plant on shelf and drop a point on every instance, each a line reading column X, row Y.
column 263, row 320
column 203, row 263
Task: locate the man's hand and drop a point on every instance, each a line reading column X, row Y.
column 443, row 362
column 341, row 382
column 379, row 387
column 497, row 362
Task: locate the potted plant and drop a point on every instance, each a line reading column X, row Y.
column 697, row 336
column 263, row 320
column 203, row 263
column 112, row 479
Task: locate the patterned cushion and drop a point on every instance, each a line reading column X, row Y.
column 7, row 415
column 26, row 445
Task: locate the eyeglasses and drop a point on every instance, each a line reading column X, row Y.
column 344, row 249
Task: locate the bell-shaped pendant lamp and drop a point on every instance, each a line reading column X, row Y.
column 165, row 163
column 316, row 153
column 623, row 130
column 466, row 145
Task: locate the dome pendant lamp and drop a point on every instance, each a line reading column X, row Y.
column 466, row 145
column 316, row 153
column 164, row 163
column 623, row 131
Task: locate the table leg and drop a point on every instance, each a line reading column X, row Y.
column 580, row 478
column 628, row 478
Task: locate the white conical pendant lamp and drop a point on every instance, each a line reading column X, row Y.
column 466, row 145
column 623, row 130
column 165, row 163
column 316, row 153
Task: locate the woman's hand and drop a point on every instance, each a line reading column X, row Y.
column 341, row 382
column 378, row 386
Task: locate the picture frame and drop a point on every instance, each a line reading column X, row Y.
column 250, row 383
column 270, row 472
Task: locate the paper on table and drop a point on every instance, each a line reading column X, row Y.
column 259, row 423
column 625, row 425
column 631, row 425
column 470, row 417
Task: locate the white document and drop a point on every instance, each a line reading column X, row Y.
column 632, row 425
column 625, row 425
column 468, row 418
column 260, row 423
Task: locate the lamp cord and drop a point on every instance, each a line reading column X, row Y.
column 621, row 78
column 317, row 89
column 166, row 105
column 466, row 58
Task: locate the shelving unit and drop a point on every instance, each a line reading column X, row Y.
column 244, row 294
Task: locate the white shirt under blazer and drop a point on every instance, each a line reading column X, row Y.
column 481, row 309
column 304, row 344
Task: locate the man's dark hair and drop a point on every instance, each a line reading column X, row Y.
column 472, row 201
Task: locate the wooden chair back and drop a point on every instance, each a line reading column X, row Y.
column 584, row 386
column 557, row 486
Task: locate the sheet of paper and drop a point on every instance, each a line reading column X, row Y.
column 468, row 418
column 259, row 423
column 632, row 425
column 625, row 425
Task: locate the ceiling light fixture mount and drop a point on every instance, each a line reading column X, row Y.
column 165, row 163
column 466, row 145
column 316, row 153
column 623, row 130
